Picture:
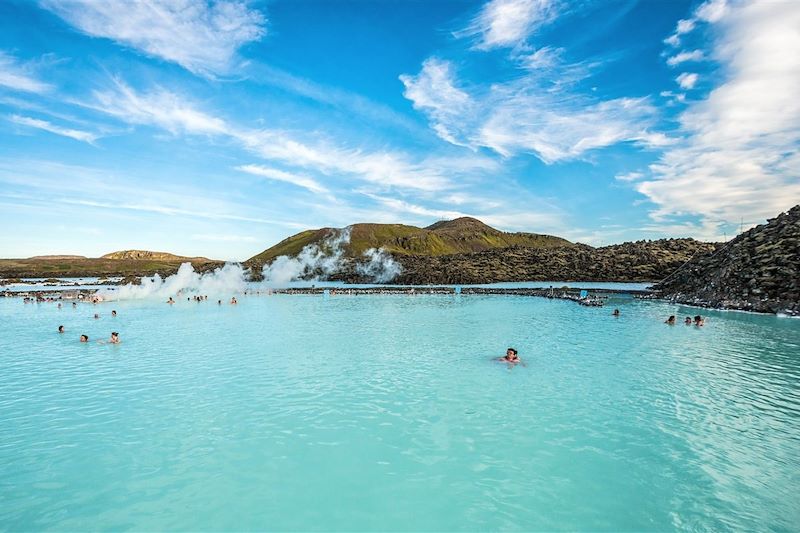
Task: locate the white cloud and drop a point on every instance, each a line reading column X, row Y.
column 201, row 36
column 682, row 57
column 522, row 116
column 433, row 91
column 687, row 80
column 710, row 11
column 159, row 108
column 287, row 177
column 177, row 115
column 630, row 176
column 738, row 157
column 78, row 135
column 19, row 77
column 508, row 23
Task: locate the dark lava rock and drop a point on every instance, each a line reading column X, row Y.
column 759, row 271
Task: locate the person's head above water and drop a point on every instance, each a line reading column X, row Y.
column 114, row 337
column 688, row 320
column 616, row 312
column 511, row 355
column 84, row 338
column 670, row 320
column 61, row 329
column 113, row 313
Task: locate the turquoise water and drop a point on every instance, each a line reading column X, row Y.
column 386, row 413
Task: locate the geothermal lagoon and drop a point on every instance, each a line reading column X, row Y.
column 388, row 412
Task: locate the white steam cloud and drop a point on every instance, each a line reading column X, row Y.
column 314, row 262
column 380, row 267
column 224, row 281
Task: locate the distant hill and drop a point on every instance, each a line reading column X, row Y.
column 759, row 270
column 140, row 255
column 125, row 263
column 462, row 235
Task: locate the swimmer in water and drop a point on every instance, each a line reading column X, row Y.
column 616, row 312
column 688, row 321
column 233, row 301
column 699, row 321
column 170, row 301
column 511, row 357
column 114, row 338
column 670, row 320
column 74, row 305
column 84, row 338
column 61, row 329
column 96, row 315
column 113, row 313
column 59, row 305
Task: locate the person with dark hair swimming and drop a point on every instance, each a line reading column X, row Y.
column 688, row 321
column 699, row 321
column 113, row 313
column 670, row 320
column 616, row 312
column 61, row 329
column 114, row 338
column 84, row 338
column 511, row 357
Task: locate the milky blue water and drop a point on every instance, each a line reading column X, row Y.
column 387, row 413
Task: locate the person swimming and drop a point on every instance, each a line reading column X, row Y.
column 113, row 313
column 616, row 312
column 114, row 338
column 74, row 305
column 84, row 338
column 61, row 329
column 233, row 301
column 688, row 321
column 170, row 301
column 511, row 357
column 670, row 320
column 699, row 321
column 96, row 315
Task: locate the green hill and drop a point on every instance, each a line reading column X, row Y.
column 462, row 235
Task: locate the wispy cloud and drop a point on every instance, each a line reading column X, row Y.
column 709, row 11
column 78, row 135
column 523, row 116
column 630, row 176
column 738, row 157
column 202, row 36
column 508, row 23
column 687, row 80
column 177, row 115
column 683, row 57
column 287, row 177
column 19, row 76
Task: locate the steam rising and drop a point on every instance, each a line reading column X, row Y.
column 224, row 281
column 380, row 267
column 313, row 263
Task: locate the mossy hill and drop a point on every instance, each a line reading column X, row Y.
column 130, row 263
column 462, row 235
column 759, row 270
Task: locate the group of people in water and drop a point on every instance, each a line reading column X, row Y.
column 114, row 339
column 198, row 299
column 698, row 321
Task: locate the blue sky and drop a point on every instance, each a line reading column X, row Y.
column 220, row 128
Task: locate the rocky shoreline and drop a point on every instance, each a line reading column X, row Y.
column 757, row 271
